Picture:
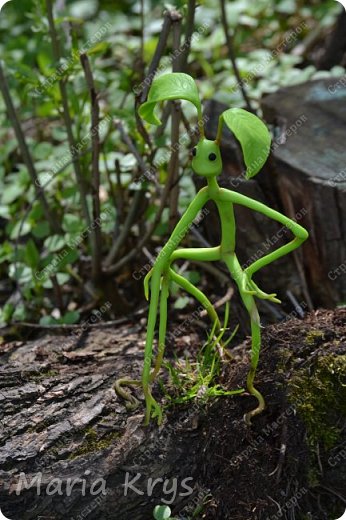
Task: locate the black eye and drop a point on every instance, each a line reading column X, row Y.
column 194, row 151
column 212, row 157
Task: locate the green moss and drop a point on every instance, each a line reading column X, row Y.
column 313, row 337
column 41, row 374
column 319, row 394
column 92, row 442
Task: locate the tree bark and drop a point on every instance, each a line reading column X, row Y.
column 62, row 420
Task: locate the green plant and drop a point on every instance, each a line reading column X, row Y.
column 255, row 141
column 197, row 380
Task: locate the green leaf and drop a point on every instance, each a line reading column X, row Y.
column 72, row 223
column 48, row 320
column 20, row 272
column 70, row 317
column 54, row 243
column 69, row 258
column 31, row 255
column 175, row 85
column 23, row 228
column 42, row 150
column 6, row 313
column 99, row 48
column 162, row 513
column 253, row 135
column 84, row 8
column 41, row 230
column 11, row 193
column 62, row 278
column 6, row 251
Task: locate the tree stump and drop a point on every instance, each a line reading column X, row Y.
column 311, row 174
column 63, row 425
column 305, row 177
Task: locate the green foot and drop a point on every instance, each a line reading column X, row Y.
column 153, row 409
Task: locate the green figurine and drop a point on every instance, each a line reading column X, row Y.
column 255, row 141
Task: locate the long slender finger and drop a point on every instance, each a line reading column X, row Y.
column 263, row 295
column 146, row 284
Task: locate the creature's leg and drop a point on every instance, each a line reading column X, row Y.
column 200, row 254
column 163, row 324
column 154, row 300
column 250, row 304
column 199, row 295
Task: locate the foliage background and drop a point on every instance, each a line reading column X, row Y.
column 267, row 56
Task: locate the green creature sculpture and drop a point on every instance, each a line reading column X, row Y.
column 255, row 141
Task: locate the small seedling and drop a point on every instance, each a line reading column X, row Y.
column 255, row 142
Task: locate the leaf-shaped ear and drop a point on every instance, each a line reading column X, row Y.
column 174, row 85
column 253, row 135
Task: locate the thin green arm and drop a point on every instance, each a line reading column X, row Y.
column 183, row 226
column 300, row 233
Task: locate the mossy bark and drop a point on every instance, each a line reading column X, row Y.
column 61, row 419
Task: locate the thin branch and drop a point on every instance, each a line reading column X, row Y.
column 137, row 199
column 190, row 23
column 77, row 326
column 12, row 114
column 142, row 65
column 131, row 145
column 173, row 167
column 125, row 229
column 160, row 49
column 110, row 183
column 66, row 113
column 145, row 85
column 95, row 143
column 119, row 193
column 231, row 55
column 123, row 261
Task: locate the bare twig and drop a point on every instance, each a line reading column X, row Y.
column 160, row 49
column 231, row 55
column 95, row 143
column 131, row 145
column 65, row 326
column 343, row 499
column 137, row 199
column 145, row 86
column 142, row 37
column 173, row 167
column 66, row 113
column 226, row 298
column 190, row 22
column 129, row 256
column 120, row 194
column 125, row 229
column 110, row 183
column 214, row 271
column 12, row 114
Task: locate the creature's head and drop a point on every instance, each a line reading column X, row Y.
column 250, row 131
column 206, row 160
